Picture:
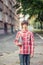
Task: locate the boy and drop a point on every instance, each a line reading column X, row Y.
column 25, row 41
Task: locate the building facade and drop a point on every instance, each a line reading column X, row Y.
column 8, row 18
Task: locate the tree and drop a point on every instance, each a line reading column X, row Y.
column 32, row 7
column 40, row 18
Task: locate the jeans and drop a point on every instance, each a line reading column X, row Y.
column 24, row 59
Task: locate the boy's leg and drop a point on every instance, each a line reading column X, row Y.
column 28, row 59
column 22, row 59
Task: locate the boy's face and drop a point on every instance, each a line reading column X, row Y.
column 25, row 26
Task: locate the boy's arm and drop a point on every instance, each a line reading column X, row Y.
column 32, row 45
column 17, row 39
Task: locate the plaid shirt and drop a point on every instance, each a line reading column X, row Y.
column 27, row 46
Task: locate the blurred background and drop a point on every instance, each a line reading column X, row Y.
column 12, row 13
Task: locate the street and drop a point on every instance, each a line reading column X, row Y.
column 9, row 51
column 7, row 43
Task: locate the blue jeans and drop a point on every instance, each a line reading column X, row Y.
column 24, row 59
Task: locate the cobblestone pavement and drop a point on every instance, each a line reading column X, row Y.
column 9, row 52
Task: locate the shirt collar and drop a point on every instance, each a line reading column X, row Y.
column 24, row 31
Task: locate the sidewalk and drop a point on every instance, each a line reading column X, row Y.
column 2, row 36
column 40, row 35
column 13, row 58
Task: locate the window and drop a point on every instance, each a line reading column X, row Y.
column 1, row 6
column 6, row 2
column 1, row 16
column 9, row 19
column 6, row 17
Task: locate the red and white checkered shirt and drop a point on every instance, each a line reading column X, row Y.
column 27, row 46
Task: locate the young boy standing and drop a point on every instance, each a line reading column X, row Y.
column 25, row 41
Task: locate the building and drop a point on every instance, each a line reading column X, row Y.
column 8, row 18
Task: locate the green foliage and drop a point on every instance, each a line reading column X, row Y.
column 31, row 6
column 40, row 16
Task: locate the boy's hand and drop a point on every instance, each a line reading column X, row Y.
column 31, row 55
column 19, row 43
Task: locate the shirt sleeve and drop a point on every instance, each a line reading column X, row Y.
column 32, row 44
column 17, row 38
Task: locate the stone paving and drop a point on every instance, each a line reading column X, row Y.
column 12, row 58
